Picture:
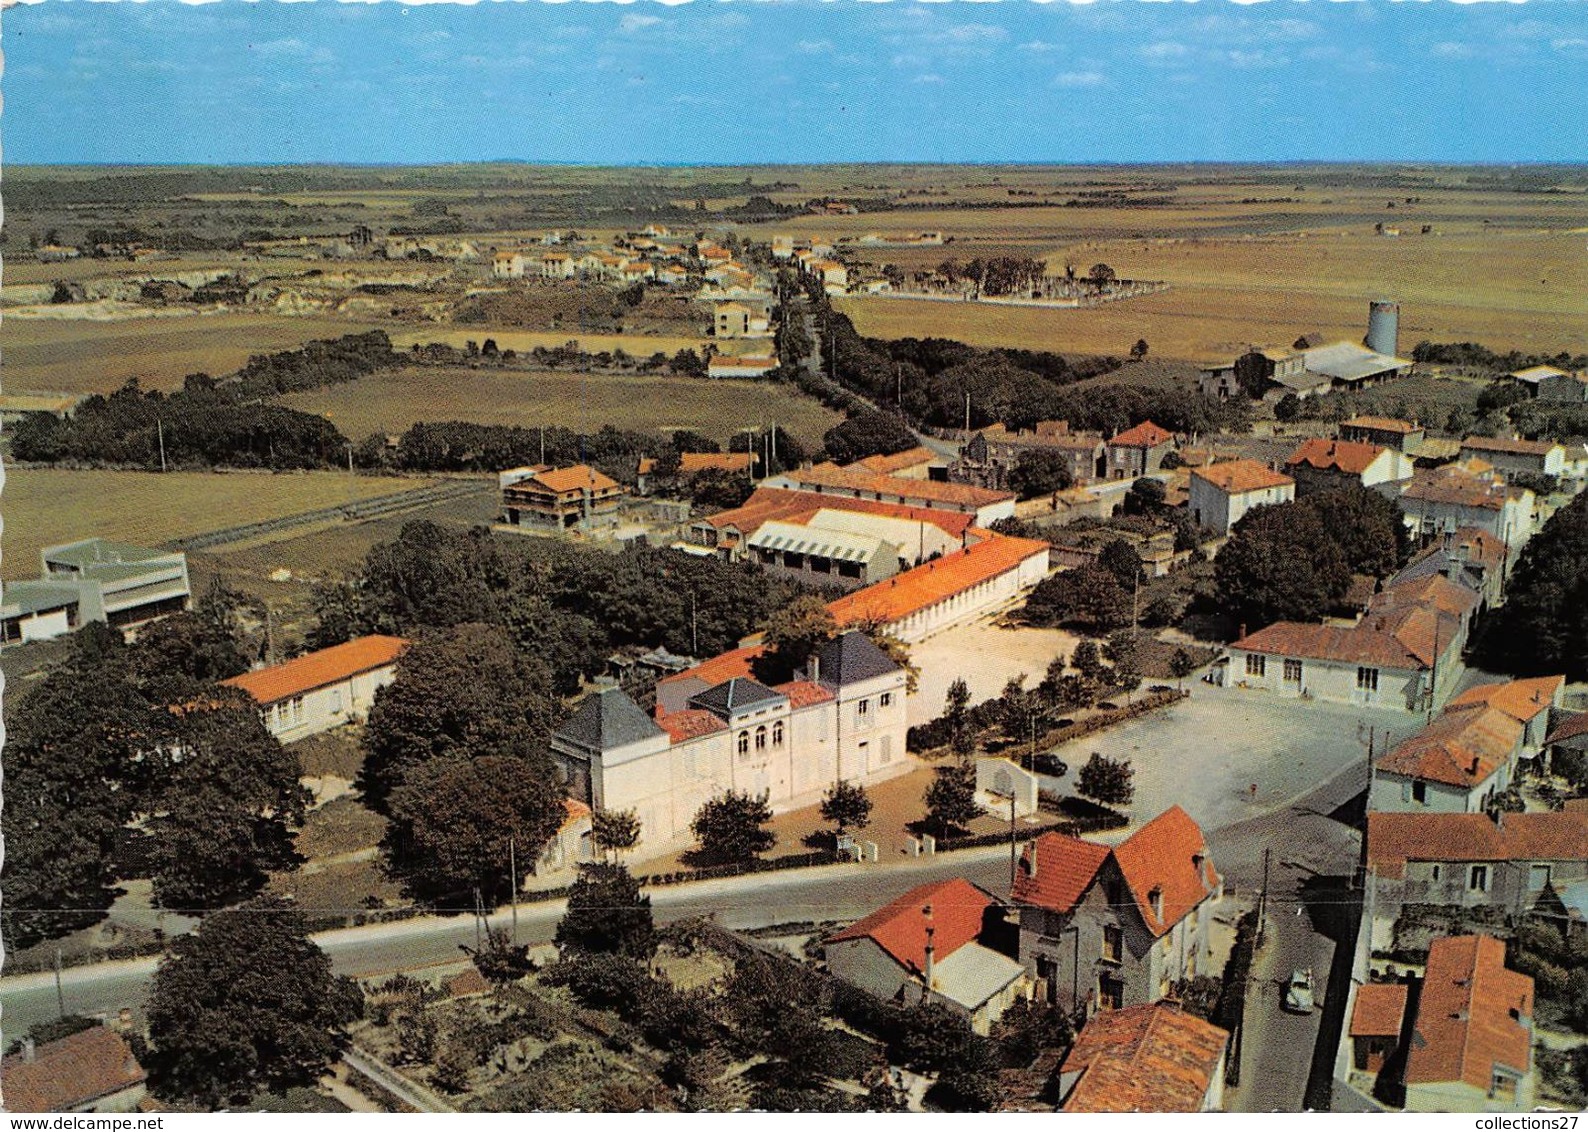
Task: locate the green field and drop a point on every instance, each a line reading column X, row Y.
column 47, row 506
column 87, row 356
column 391, row 402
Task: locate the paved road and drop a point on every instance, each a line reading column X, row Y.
column 836, row 892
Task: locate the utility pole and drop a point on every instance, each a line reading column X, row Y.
column 159, row 428
column 1013, row 853
column 512, row 865
column 60, row 995
column 967, row 414
column 542, row 444
column 479, row 917
column 694, row 627
column 1262, row 899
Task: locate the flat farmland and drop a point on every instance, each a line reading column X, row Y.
column 391, row 402
column 47, row 506
column 1507, row 289
column 91, row 356
column 637, row 345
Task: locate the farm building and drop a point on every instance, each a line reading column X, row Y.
column 1349, row 366
column 919, row 532
column 815, row 552
column 1139, row 451
column 324, row 689
column 1510, row 456
column 745, row 365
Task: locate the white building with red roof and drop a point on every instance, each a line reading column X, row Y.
column 324, row 689
column 1319, row 464
column 1222, row 494
column 926, row 947
column 1471, row 1048
column 1102, row 928
column 1151, row 1058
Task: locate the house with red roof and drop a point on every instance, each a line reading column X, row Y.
column 1531, row 702
column 559, row 498
column 1503, row 861
column 1404, row 652
column 1439, row 502
column 1326, row 465
column 1139, row 451
column 1102, row 928
column 93, row 1070
column 1222, row 494
column 322, row 689
column 1149, row 1058
column 1458, row 764
column 1471, row 1048
column 927, row 946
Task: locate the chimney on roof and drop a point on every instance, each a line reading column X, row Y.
column 1474, row 767
column 931, row 948
column 813, row 668
column 29, row 1051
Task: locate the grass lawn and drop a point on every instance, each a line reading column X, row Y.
column 391, row 402
column 88, row 356
column 48, row 506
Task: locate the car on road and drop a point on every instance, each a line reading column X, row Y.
column 1298, row 991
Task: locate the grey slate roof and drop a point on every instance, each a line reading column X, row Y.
column 851, row 658
column 734, row 695
column 607, row 719
column 1346, row 361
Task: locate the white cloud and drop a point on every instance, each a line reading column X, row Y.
column 633, row 23
column 1165, row 50
column 1075, row 80
column 929, row 79
column 814, row 46
column 1451, row 50
column 1040, row 47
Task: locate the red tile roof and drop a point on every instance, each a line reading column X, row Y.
column 574, row 811
column 691, row 462
column 1570, row 728
column 1470, row 1018
column 1236, row 476
column 804, row 693
column 1167, row 858
column 719, row 669
column 1380, row 1009
column 1144, row 435
column 1382, row 424
column 888, row 465
column 956, row 906
column 1144, row 1059
column 1349, row 456
column 1354, row 645
column 467, row 984
column 73, row 1071
column 923, row 587
column 1457, row 489
column 1509, row 445
column 1522, row 700
column 1065, row 869
column 574, row 478
column 927, row 491
column 770, row 504
column 319, row 669
column 1394, row 839
column 1461, row 748
column 691, row 723
column 1435, row 591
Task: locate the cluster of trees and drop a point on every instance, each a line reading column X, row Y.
column 569, row 605
column 867, row 434
column 1096, row 597
column 210, row 423
column 121, row 732
column 1295, row 561
column 1543, row 625
column 998, row 275
column 1473, row 355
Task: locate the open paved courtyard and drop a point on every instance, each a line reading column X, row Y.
column 986, row 656
column 1205, row 752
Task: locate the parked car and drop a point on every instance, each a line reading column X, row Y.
column 1298, row 992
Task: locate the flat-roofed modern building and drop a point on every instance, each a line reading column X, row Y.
column 94, row 579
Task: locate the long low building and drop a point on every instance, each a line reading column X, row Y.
column 816, row 552
column 920, row 533
column 829, row 479
column 950, row 590
column 324, row 689
column 93, row 579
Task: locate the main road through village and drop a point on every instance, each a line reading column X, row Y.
column 1304, row 839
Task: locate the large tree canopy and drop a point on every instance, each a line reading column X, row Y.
column 867, row 434
column 461, row 694
column 1281, row 564
column 247, row 1004
column 1543, row 626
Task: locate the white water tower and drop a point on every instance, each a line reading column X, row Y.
column 1383, row 326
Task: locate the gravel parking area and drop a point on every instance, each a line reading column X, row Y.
column 986, row 656
column 1205, row 752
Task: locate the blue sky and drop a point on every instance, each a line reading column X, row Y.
column 752, row 81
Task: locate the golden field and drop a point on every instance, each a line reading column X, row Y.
column 43, row 507
column 392, row 401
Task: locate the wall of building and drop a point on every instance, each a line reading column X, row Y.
column 298, row 717
column 1393, row 794
column 1458, row 1096
column 1333, row 681
column 861, row 963
column 969, row 604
